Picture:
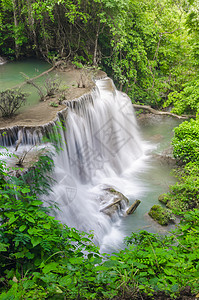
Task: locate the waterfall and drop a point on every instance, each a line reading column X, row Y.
column 101, row 148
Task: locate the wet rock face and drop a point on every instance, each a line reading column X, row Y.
column 161, row 215
column 112, row 201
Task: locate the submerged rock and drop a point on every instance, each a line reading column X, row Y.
column 113, row 201
column 164, row 159
column 162, row 215
column 157, row 138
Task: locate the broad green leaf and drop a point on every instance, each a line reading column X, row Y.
column 22, row 228
column 36, row 203
column 50, row 267
column 30, row 219
column 47, row 226
column 25, row 190
column 36, row 240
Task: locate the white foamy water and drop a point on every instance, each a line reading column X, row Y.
column 102, row 149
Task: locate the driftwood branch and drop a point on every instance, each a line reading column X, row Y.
column 31, row 79
column 157, row 112
column 19, row 141
column 21, row 159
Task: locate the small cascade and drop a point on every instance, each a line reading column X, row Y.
column 101, row 149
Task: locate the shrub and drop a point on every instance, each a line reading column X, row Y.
column 186, row 101
column 53, row 104
column 186, row 141
column 11, row 101
column 184, row 195
column 40, row 257
column 52, row 85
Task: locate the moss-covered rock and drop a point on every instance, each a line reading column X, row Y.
column 162, row 215
column 163, row 198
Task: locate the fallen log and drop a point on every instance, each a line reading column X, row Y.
column 31, row 79
column 157, row 112
column 133, row 207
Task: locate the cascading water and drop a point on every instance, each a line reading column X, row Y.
column 101, row 149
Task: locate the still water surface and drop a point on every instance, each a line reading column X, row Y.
column 15, row 73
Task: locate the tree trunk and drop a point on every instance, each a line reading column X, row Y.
column 96, row 45
column 17, row 47
column 31, row 22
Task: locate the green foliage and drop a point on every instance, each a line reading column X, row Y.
column 42, row 259
column 158, row 266
column 186, row 101
column 186, row 141
column 11, row 101
column 150, row 48
column 40, row 250
column 184, row 194
column 53, row 104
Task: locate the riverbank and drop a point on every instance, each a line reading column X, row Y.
column 45, row 111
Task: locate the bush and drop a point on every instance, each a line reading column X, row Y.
column 164, row 263
column 40, row 257
column 186, row 141
column 186, row 101
column 184, row 195
column 11, row 101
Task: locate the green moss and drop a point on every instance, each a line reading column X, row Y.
column 112, row 190
column 162, row 215
column 163, row 198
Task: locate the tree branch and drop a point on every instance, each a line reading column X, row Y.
column 157, row 112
